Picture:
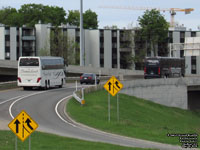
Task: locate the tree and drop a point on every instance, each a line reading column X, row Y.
column 9, row 16
column 111, row 27
column 89, row 19
column 73, row 17
column 154, row 29
column 33, row 13
column 62, row 45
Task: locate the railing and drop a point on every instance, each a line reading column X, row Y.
column 79, row 94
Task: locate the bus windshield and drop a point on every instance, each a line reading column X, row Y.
column 29, row 62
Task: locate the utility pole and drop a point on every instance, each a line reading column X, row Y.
column 82, row 51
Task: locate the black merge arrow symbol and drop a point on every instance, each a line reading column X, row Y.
column 116, row 83
column 109, row 85
column 17, row 125
column 28, row 121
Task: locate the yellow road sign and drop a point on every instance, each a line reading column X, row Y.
column 113, row 86
column 23, row 125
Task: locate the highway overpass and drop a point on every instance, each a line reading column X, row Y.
column 8, row 67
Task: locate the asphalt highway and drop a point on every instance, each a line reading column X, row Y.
column 47, row 109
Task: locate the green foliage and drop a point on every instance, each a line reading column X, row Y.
column 44, row 52
column 73, row 17
column 63, row 46
column 10, row 16
column 32, row 13
column 111, row 27
column 140, row 56
column 138, row 118
column 89, row 19
column 154, row 28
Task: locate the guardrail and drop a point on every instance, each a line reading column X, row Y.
column 79, row 94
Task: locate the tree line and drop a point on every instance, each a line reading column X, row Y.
column 31, row 14
column 150, row 38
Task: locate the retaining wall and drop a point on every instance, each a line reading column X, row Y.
column 168, row 92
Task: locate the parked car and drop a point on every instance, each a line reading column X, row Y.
column 89, row 78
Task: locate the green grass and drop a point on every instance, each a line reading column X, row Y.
column 44, row 141
column 138, row 118
column 8, row 86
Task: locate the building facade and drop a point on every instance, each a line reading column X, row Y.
column 179, row 35
column 107, row 48
column 16, row 42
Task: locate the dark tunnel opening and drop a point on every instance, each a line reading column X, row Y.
column 194, row 100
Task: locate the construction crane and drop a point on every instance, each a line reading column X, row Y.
column 171, row 10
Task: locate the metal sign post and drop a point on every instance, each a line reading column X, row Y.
column 113, row 86
column 30, row 142
column 117, row 107
column 82, row 93
column 108, row 107
column 15, row 142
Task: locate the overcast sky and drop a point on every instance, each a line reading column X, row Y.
column 122, row 18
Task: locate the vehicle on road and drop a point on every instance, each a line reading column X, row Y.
column 89, row 78
column 44, row 72
column 160, row 67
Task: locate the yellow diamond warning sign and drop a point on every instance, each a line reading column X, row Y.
column 23, row 125
column 113, row 86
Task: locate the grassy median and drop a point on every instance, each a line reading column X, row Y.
column 7, row 86
column 44, row 141
column 138, row 118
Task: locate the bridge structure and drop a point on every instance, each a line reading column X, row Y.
column 8, row 67
column 173, row 92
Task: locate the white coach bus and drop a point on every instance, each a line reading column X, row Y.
column 44, row 72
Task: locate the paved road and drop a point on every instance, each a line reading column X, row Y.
column 42, row 107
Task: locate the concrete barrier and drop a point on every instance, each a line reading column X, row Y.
column 171, row 92
column 102, row 71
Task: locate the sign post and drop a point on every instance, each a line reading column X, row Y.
column 30, row 142
column 108, row 107
column 113, row 86
column 22, row 126
column 15, row 142
column 117, row 107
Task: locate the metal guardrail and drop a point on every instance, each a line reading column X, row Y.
column 76, row 97
column 80, row 98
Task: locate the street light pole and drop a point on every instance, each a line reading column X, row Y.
column 82, row 52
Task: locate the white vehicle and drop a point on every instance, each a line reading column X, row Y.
column 42, row 72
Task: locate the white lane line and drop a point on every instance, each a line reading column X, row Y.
column 25, row 96
column 11, row 99
column 56, row 110
column 10, row 108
